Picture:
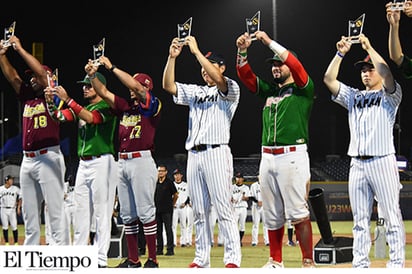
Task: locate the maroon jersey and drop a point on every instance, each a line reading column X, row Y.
column 39, row 129
column 138, row 124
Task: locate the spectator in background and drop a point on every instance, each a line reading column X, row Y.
column 257, row 214
column 166, row 196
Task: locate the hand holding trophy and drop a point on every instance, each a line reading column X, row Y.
column 8, row 32
column 355, row 29
column 53, row 81
column 183, row 30
column 98, row 50
column 253, row 25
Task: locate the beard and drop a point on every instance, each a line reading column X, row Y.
column 280, row 80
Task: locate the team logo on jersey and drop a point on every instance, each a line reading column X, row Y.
column 368, row 100
column 206, row 98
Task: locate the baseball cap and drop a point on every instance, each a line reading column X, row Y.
column 366, row 61
column 276, row 57
column 176, row 171
column 144, row 79
column 8, row 177
column 30, row 72
column 239, row 175
column 86, row 80
column 215, row 58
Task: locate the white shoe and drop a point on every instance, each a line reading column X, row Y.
column 273, row 264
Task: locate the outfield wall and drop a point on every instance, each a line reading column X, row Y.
column 337, row 200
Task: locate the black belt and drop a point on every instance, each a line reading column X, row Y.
column 203, row 147
column 8, row 207
column 366, row 157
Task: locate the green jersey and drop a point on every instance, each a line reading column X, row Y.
column 286, row 113
column 97, row 139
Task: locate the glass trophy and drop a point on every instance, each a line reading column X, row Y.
column 98, row 50
column 398, row 5
column 183, row 30
column 355, row 29
column 8, row 32
column 53, row 80
column 253, row 25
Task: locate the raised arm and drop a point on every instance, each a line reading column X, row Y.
column 330, row 77
column 168, row 79
column 394, row 43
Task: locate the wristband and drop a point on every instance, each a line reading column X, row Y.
column 92, row 76
column 75, row 106
column 340, row 54
column 112, row 68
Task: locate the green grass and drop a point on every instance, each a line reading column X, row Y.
column 256, row 257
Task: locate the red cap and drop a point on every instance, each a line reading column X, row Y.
column 30, row 72
column 144, row 79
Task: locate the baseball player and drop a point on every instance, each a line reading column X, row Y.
column 10, row 204
column 42, row 168
column 210, row 161
column 257, row 214
column 139, row 117
column 96, row 177
column 180, row 211
column 374, row 170
column 403, row 62
column 284, row 169
column 240, row 196
column 69, row 205
column 212, row 222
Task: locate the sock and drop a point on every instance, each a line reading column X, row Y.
column 16, row 236
column 290, row 234
column 131, row 231
column 6, row 235
column 304, row 236
column 150, row 232
column 275, row 243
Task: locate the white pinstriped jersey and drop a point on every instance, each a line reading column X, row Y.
column 206, row 106
column 237, row 194
column 183, row 190
column 255, row 192
column 9, row 196
column 371, row 116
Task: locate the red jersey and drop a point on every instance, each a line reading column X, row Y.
column 39, row 129
column 138, row 123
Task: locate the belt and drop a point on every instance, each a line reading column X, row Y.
column 88, row 158
column 130, row 155
column 36, row 153
column 203, row 147
column 7, row 207
column 280, row 150
column 366, row 157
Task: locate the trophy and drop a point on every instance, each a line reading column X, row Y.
column 398, row 5
column 8, row 32
column 98, row 50
column 355, row 29
column 53, row 81
column 53, row 78
column 183, row 30
column 253, row 25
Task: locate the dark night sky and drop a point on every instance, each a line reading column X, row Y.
column 138, row 38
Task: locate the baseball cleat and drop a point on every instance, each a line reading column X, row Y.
column 273, row 264
column 150, row 263
column 129, row 264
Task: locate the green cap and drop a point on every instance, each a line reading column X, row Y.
column 86, row 80
column 277, row 58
